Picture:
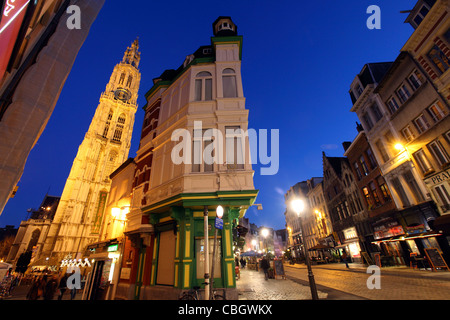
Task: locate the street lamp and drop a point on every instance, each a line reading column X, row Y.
column 206, row 250
column 298, row 206
column 219, row 215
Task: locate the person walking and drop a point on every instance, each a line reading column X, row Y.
column 345, row 259
column 50, row 288
column 73, row 291
column 265, row 265
column 62, row 286
column 36, row 290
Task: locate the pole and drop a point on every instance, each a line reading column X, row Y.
column 312, row 283
column 205, row 218
column 213, row 263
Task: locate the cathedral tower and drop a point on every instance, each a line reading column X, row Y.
column 105, row 147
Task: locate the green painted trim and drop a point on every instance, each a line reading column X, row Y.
column 233, row 198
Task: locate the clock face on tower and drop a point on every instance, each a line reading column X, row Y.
column 122, row 94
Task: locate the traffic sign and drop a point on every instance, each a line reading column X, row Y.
column 219, row 223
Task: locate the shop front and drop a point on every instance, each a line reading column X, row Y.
column 387, row 236
column 350, row 244
column 102, row 279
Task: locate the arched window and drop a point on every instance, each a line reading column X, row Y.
column 122, row 78
column 203, row 86
column 107, row 125
column 110, row 163
column 119, row 128
column 229, row 83
column 130, row 80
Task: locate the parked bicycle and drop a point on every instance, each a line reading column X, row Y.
column 194, row 294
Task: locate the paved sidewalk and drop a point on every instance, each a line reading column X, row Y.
column 396, row 270
column 253, row 286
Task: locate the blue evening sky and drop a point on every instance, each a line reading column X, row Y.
column 299, row 58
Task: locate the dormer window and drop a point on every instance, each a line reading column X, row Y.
column 226, row 26
column 421, row 15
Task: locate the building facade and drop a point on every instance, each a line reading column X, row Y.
column 80, row 215
column 32, row 233
column 189, row 113
column 429, row 45
column 36, row 56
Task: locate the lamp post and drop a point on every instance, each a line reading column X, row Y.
column 298, row 206
column 205, row 230
column 218, row 225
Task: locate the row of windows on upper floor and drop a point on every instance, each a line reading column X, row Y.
column 439, row 62
column 434, row 149
column 204, row 85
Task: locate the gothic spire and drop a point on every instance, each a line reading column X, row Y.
column 132, row 55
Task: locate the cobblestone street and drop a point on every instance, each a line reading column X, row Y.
column 397, row 283
column 252, row 286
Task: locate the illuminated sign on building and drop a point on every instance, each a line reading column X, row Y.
column 12, row 18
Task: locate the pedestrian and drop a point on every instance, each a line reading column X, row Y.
column 73, row 291
column 242, row 263
column 36, row 290
column 265, row 265
column 62, row 286
column 345, row 259
column 50, row 288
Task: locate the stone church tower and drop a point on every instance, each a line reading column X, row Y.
column 105, row 147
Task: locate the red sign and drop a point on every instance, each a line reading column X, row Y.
column 11, row 21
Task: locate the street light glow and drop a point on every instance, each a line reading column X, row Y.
column 219, row 212
column 298, row 206
column 265, row 233
column 399, row 147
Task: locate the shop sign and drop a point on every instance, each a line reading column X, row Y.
column 113, row 247
column 413, row 229
column 439, row 177
column 388, row 229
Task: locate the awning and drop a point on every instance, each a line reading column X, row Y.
column 319, row 247
column 442, row 223
column 423, row 235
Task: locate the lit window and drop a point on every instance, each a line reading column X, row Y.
column 421, row 124
column 439, row 59
column 422, row 161
column 443, row 197
column 439, row 153
column 437, row 111
column 373, row 190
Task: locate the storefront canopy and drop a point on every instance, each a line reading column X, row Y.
column 250, row 254
column 320, row 247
